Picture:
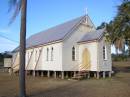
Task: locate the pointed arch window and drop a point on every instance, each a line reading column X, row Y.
column 73, row 53
column 47, row 54
column 104, row 53
column 52, row 53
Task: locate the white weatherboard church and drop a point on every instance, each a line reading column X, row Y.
column 67, row 49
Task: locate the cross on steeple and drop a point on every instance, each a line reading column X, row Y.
column 86, row 11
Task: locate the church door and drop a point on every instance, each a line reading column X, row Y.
column 85, row 60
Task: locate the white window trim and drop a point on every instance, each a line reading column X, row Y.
column 74, row 53
column 52, row 55
column 47, row 54
column 105, row 53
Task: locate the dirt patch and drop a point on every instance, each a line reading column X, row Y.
column 117, row 86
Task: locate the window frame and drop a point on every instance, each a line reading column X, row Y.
column 104, row 53
column 73, row 54
column 47, row 54
column 52, row 55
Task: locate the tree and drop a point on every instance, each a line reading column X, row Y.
column 21, row 6
column 103, row 25
column 119, row 28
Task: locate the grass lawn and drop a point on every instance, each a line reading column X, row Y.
column 117, row 86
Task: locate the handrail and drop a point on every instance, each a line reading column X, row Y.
column 30, row 58
column 14, row 61
column 38, row 58
column 83, row 67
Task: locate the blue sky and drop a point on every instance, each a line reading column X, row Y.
column 43, row 14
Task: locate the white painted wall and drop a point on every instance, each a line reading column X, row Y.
column 7, row 62
column 62, row 52
column 14, row 57
column 68, row 64
column 56, row 64
column 104, row 65
column 92, row 48
column 43, row 64
column 30, row 65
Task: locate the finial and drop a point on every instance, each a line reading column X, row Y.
column 86, row 11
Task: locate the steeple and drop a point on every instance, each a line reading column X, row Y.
column 86, row 14
column 86, row 11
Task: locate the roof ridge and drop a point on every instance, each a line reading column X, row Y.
column 71, row 30
column 54, row 34
column 57, row 25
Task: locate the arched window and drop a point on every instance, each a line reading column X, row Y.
column 73, row 54
column 47, row 54
column 104, row 53
column 52, row 54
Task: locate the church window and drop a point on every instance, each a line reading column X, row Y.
column 47, row 54
column 104, row 53
column 73, row 53
column 52, row 54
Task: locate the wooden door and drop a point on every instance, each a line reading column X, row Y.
column 85, row 60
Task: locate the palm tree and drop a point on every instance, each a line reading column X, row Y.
column 21, row 5
column 119, row 28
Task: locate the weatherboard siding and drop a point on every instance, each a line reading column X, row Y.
column 39, row 61
column 104, row 65
column 68, row 64
column 56, row 64
column 62, row 38
column 92, row 48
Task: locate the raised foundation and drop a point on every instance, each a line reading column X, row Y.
column 34, row 74
column 104, row 74
column 88, row 75
column 48, row 74
column 95, row 75
column 74, row 73
column 109, row 73
column 68, row 74
column 42, row 73
column 55, row 74
column 98, row 76
column 62, row 74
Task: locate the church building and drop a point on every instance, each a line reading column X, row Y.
column 67, row 50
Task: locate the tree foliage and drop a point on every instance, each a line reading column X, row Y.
column 118, row 30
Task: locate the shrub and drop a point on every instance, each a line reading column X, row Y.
column 119, row 57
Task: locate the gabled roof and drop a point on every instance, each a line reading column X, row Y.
column 53, row 34
column 91, row 36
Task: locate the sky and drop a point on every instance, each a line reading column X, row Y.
column 43, row 14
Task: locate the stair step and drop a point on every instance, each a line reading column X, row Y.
column 81, row 75
column 78, row 77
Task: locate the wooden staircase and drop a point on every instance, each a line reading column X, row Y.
column 81, row 75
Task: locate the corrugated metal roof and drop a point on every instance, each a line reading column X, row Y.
column 53, row 34
column 95, row 35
